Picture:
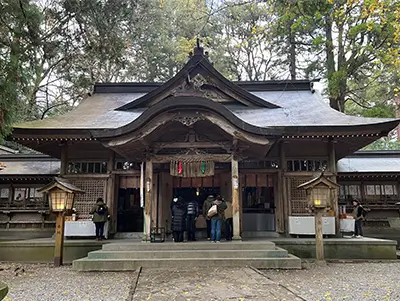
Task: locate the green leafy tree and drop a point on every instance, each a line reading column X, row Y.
column 245, row 38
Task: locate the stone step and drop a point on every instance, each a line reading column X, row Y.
column 200, row 254
column 204, row 245
column 87, row 264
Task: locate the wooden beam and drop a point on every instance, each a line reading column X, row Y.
column 231, row 130
column 205, row 144
column 235, row 198
column 146, row 130
column 205, row 157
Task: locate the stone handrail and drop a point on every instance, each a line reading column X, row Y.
column 3, row 290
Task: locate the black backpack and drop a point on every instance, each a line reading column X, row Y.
column 101, row 210
column 364, row 212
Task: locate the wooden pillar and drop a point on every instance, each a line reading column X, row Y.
column 155, row 206
column 235, row 199
column 283, row 190
column 64, row 159
column 60, row 222
column 319, row 237
column 165, row 200
column 58, row 248
column 110, row 193
column 148, row 188
column 279, row 220
column 334, row 194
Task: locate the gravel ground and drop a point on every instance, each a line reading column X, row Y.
column 359, row 281
column 339, row 281
column 43, row 282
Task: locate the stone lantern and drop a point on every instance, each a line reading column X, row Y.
column 319, row 192
column 61, row 195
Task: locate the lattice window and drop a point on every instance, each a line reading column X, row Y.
column 87, row 167
column 306, row 165
column 298, row 197
column 380, row 194
column 94, row 189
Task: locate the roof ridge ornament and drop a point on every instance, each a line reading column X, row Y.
column 198, row 50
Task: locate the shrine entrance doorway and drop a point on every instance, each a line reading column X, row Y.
column 129, row 211
column 196, row 188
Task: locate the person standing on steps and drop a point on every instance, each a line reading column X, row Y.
column 192, row 214
column 206, row 206
column 358, row 214
column 217, row 218
column 228, row 221
column 100, row 217
column 178, row 219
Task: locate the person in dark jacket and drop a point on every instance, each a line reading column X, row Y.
column 358, row 214
column 178, row 219
column 216, row 220
column 206, row 206
column 191, row 216
column 100, row 217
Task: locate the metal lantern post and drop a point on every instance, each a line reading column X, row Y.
column 61, row 195
column 319, row 199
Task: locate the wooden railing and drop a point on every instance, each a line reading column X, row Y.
column 34, row 204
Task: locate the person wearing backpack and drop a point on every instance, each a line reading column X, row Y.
column 100, row 217
column 192, row 214
column 217, row 218
column 178, row 223
column 359, row 216
column 208, row 203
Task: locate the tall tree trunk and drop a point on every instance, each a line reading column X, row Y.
column 397, row 103
column 342, row 69
column 292, row 51
column 330, row 61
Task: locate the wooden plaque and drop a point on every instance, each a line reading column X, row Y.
column 251, row 180
column 132, row 182
column 262, row 180
column 217, row 181
column 176, row 182
column 122, row 182
column 270, row 181
column 196, row 182
column 207, row 182
column 186, row 182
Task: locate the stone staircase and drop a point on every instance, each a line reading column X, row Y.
column 128, row 256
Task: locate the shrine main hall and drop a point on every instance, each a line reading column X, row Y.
column 138, row 145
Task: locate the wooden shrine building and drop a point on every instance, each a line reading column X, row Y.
column 198, row 134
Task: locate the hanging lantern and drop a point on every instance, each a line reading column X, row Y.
column 203, row 167
column 192, row 169
column 180, row 167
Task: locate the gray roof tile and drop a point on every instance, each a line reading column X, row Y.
column 368, row 165
column 297, row 108
column 30, row 167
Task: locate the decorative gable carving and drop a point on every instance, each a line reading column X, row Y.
column 202, row 87
column 199, row 78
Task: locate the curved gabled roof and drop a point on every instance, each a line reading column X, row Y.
column 199, row 64
column 298, row 111
column 184, row 103
column 267, row 108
